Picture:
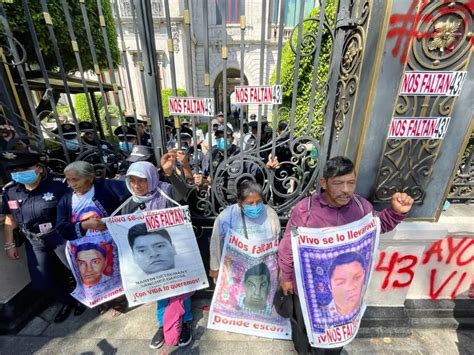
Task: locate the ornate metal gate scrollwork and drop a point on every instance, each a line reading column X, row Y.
column 443, row 42
column 298, row 144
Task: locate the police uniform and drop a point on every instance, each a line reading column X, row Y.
column 127, row 137
column 71, row 142
column 34, row 212
column 145, row 138
column 87, row 127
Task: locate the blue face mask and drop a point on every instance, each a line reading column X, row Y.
column 220, row 143
column 26, row 177
column 126, row 147
column 72, row 144
column 253, row 211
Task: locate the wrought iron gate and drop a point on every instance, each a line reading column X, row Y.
column 130, row 52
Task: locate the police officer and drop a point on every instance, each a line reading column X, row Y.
column 88, row 135
column 141, row 129
column 71, row 141
column 29, row 204
column 127, row 138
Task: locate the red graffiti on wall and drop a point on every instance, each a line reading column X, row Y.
column 400, row 269
column 403, row 26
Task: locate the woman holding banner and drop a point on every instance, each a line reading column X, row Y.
column 249, row 217
column 79, row 220
column 149, row 193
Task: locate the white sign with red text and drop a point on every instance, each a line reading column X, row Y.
column 418, row 128
column 158, row 253
column 259, row 95
column 191, row 106
column 442, row 83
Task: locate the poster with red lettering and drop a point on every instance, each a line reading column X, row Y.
column 333, row 267
column 243, row 298
column 94, row 263
column 158, row 253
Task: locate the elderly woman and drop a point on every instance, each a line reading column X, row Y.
column 149, row 193
column 29, row 204
column 80, row 210
column 249, row 217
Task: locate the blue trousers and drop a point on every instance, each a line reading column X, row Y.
column 44, row 257
column 161, row 306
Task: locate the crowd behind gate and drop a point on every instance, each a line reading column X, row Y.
column 48, row 210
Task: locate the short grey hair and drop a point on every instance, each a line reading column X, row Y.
column 83, row 168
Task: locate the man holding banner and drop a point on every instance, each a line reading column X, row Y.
column 326, row 258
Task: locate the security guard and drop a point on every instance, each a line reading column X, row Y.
column 29, row 204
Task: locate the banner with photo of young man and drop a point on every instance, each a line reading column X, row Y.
column 94, row 263
column 333, row 267
column 158, row 253
column 246, row 285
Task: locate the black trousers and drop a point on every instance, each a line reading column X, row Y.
column 46, row 264
column 299, row 336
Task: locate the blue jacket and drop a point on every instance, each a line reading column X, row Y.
column 109, row 195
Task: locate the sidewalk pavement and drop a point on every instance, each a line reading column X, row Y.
column 130, row 333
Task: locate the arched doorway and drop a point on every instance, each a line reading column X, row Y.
column 233, row 80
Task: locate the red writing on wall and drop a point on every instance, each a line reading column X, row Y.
column 399, row 269
column 404, row 26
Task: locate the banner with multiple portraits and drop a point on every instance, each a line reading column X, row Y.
column 94, row 263
column 333, row 268
column 159, row 255
column 247, row 281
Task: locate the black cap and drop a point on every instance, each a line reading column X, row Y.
column 85, row 126
column 253, row 124
column 187, row 131
column 131, row 120
column 169, row 124
column 15, row 159
column 140, row 153
column 221, row 128
column 69, row 130
column 282, row 125
column 122, row 131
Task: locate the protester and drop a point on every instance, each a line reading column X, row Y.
column 29, row 204
column 336, row 205
column 249, row 217
column 149, row 193
column 80, row 210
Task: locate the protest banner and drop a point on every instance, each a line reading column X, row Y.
column 439, row 83
column 418, row 128
column 158, row 253
column 94, row 263
column 258, row 95
column 333, row 267
column 191, row 106
column 243, row 298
